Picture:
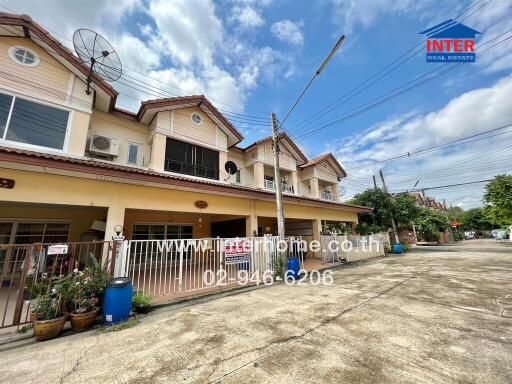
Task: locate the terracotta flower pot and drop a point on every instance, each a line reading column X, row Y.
column 48, row 329
column 83, row 321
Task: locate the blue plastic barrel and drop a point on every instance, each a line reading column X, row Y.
column 293, row 267
column 118, row 300
column 397, row 248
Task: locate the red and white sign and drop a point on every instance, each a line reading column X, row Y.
column 237, row 250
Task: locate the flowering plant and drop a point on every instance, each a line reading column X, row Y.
column 87, row 288
column 47, row 306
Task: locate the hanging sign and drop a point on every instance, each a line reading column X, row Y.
column 200, row 204
column 237, row 251
column 58, row 249
column 6, row 183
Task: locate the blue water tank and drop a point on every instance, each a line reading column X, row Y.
column 293, row 267
column 397, row 248
column 118, row 300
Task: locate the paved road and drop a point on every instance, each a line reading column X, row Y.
column 437, row 315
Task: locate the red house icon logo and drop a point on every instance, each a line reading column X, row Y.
column 450, row 41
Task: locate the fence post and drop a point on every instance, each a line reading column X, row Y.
column 19, row 300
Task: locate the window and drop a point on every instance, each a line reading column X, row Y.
column 133, row 154
column 196, row 118
column 237, row 177
column 191, row 159
column 162, row 231
column 23, row 56
column 33, row 232
column 24, row 121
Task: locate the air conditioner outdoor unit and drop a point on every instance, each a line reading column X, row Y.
column 104, row 145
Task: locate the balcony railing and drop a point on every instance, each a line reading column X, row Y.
column 191, row 169
column 328, row 196
column 270, row 184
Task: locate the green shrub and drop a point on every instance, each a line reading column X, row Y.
column 141, row 303
column 278, row 264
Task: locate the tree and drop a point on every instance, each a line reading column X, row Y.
column 402, row 208
column 405, row 210
column 429, row 223
column 498, row 199
column 455, row 214
column 380, row 218
column 476, row 219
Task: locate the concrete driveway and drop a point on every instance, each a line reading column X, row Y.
column 435, row 315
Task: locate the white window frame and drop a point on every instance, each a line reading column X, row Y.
column 36, row 62
column 166, row 224
column 17, row 144
column 137, row 161
column 198, row 114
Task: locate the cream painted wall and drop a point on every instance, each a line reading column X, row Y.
column 246, row 171
column 126, row 131
column 65, row 190
column 80, row 218
column 201, row 230
column 49, row 80
column 205, row 133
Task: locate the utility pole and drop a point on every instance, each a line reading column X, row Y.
column 395, row 232
column 374, row 182
column 277, row 177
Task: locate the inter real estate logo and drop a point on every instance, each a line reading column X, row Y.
column 450, row 41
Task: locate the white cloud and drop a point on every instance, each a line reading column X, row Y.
column 288, row 31
column 183, row 44
column 472, row 112
column 246, row 17
column 189, row 30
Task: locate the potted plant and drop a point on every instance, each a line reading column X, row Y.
column 86, row 289
column 49, row 319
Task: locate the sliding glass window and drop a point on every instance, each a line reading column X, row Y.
column 24, row 121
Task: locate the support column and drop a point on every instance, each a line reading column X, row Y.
column 223, row 175
column 317, row 228
column 336, row 191
column 158, row 145
column 313, row 184
column 251, row 222
column 295, row 182
column 259, row 175
column 115, row 216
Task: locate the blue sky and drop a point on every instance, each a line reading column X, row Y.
column 252, row 57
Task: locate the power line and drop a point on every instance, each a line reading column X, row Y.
column 460, row 141
column 349, row 95
column 370, row 106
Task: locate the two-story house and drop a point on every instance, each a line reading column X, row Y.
column 73, row 165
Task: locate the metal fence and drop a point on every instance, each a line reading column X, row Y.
column 163, row 268
column 25, row 268
column 337, row 249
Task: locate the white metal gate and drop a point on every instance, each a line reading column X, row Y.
column 180, row 267
column 336, row 249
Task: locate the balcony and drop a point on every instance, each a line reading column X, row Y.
column 270, row 184
column 327, row 195
column 191, row 169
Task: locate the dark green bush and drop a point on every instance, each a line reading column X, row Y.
column 141, row 303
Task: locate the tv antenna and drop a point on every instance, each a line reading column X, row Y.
column 95, row 51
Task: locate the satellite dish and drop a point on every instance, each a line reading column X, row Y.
column 230, row 167
column 98, row 54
